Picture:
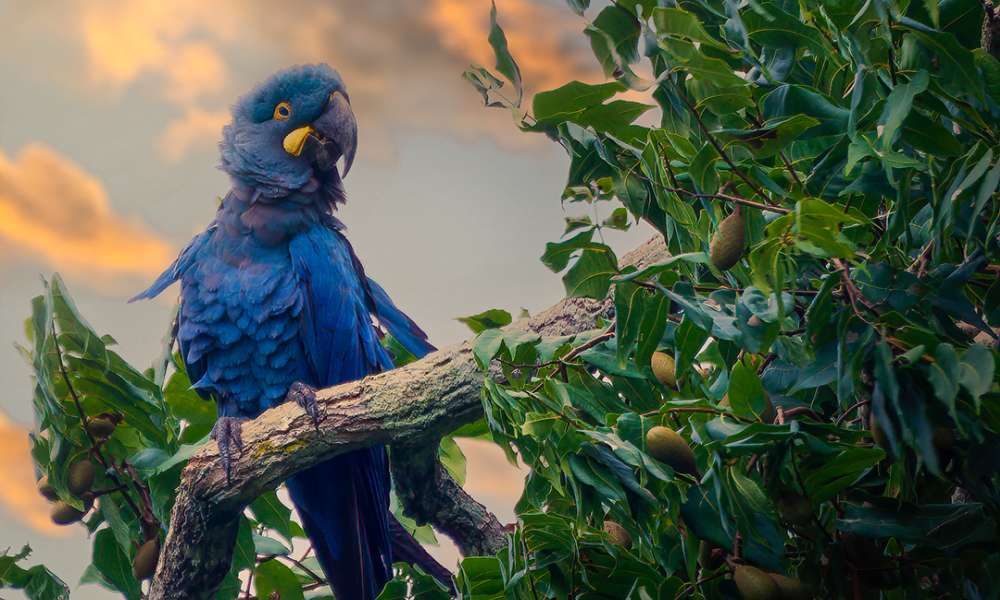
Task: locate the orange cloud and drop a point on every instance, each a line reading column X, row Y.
column 50, row 209
column 545, row 39
column 125, row 40
column 19, row 497
column 402, row 62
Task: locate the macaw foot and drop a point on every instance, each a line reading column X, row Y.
column 305, row 396
column 228, row 433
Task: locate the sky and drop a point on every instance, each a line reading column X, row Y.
column 110, row 117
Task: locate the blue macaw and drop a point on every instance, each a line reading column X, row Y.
column 274, row 303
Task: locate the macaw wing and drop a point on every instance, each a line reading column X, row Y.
column 339, row 340
column 185, row 261
column 397, row 323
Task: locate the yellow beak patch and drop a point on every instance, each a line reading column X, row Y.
column 296, row 140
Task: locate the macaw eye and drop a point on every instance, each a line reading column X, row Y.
column 282, row 111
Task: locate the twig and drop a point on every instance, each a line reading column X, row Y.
column 730, row 198
column 791, row 170
column 718, row 147
column 850, row 408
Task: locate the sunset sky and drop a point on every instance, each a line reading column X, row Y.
column 110, row 116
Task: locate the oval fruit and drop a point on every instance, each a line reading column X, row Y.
column 667, row 446
column 728, row 243
column 755, row 584
column 101, row 427
column 65, row 514
column 45, row 488
column 80, row 477
column 618, row 534
column 144, row 563
column 663, row 368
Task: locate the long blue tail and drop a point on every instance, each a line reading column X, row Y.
column 344, row 505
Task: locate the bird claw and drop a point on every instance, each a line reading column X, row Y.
column 228, row 433
column 305, row 396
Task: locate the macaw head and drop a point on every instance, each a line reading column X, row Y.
column 288, row 134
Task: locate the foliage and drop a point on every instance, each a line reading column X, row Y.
column 837, row 385
column 858, row 142
column 158, row 424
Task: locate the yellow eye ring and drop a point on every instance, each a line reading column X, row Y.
column 282, row 111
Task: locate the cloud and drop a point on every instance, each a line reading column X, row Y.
column 402, row 60
column 196, row 128
column 123, row 41
column 19, row 497
column 53, row 211
column 545, row 38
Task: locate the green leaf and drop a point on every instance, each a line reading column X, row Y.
column 590, row 276
column 272, row 576
column 746, row 392
column 897, row 107
column 480, row 577
column 557, row 254
column 185, row 403
column 569, row 101
column 702, row 170
column 114, row 565
column 506, row 64
column 268, row 546
column 945, row 527
column 489, row 319
column 958, row 66
column 977, row 371
column 678, row 22
column 453, row 459
column 688, row 341
column 271, row 512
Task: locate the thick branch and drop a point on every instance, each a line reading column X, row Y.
column 430, row 495
column 410, row 407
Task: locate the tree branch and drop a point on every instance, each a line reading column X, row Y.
column 409, row 408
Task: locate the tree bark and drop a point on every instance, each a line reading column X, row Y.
column 409, row 408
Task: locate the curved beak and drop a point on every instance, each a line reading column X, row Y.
column 295, row 141
column 332, row 136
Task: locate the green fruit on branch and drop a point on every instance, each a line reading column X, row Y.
column 80, row 477
column 65, row 514
column 618, row 534
column 101, row 427
column 728, row 243
column 790, row 588
column 795, row 508
column 663, row 368
column 667, row 446
column 45, row 488
column 144, row 563
column 755, row 584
